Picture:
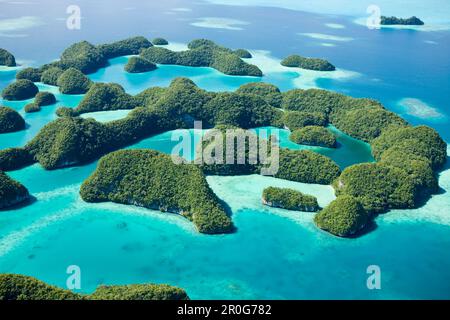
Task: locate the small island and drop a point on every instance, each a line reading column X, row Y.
column 139, row 65
column 20, row 287
column 32, row 74
column 313, row 136
column 413, row 21
column 315, row 64
column 44, row 98
column 343, row 217
column 150, row 179
column 6, row 58
column 203, row 53
column 160, row 42
column 10, row 120
column 12, row 193
column 73, row 81
column 22, row 89
column 289, row 199
column 32, row 107
column 14, row 158
column 50, row 75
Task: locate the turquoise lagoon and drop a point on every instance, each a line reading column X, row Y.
column 274, row 254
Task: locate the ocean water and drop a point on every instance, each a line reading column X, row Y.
column 274, row 254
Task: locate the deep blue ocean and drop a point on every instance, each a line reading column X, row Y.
column 274, row 254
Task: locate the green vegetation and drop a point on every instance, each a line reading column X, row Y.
column 242, row 53
column 32, row 74
column 72, row 81
column 65, row 112
column 307, row 167
column 151, row 179
column 20, row 90
column 203, row 53
column 50, row 76
column 378, row 187
column 139, row 292
column 20, row 287
column 297, row 61
column 32, row 107
column 105, row 97
column 311, row 100
column 10, row 120
column 270, row 93
column 6, row 58
column 343, row 217
column 44, row 98
column 160, row 42
column 420, row 141
column 124, row 47
column 314, row 136
column 413, row 21
column 14, row 158
column 294, row 120
column 11, row 192
column 150, row 96
column 289, row 199
column 82, row 56
column 138, row 65
column 68, row 141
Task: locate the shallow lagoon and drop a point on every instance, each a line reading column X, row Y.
column 274, row 253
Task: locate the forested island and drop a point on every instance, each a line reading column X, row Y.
column 6, row 58
column 404, row 175
column 316, row 64
column 20, row 287
column 10, row 120
column 413, row 21
column 289, row 199
column 313, row 136
column 12, row 193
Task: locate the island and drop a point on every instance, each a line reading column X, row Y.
column 408, row 158
column 413, row 21
column 313, row 136
column 32, row 107
column 22, row 89
column 12, row 193
column 243, row 53
column 150, row 179
column 10, row 120
column 130, row 46
column 138, row 65
column 44, row 98
column 73, row 81
column 289, row 199
column 294, row 120
column 20, row 287
column 6, row 58
column 160, row 42
column 269, row 92
column 203, row 53
column 296, row 61
column 50, row 75
column 343, row 217
column 32, row 74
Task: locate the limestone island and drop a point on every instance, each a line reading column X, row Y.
column 289, row 199
column 160, row 42
column 138, row 65
column 313, row 136
column 10, row 120
column 413, row 21
column 22, row 89
column 152, row 180
column 6, row 58
column 32, row 107
column 20, row 287
column 32, row 74
column 12, row 193
column 343, row 217
column 315, row 64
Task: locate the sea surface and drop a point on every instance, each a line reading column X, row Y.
column 274, row 254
